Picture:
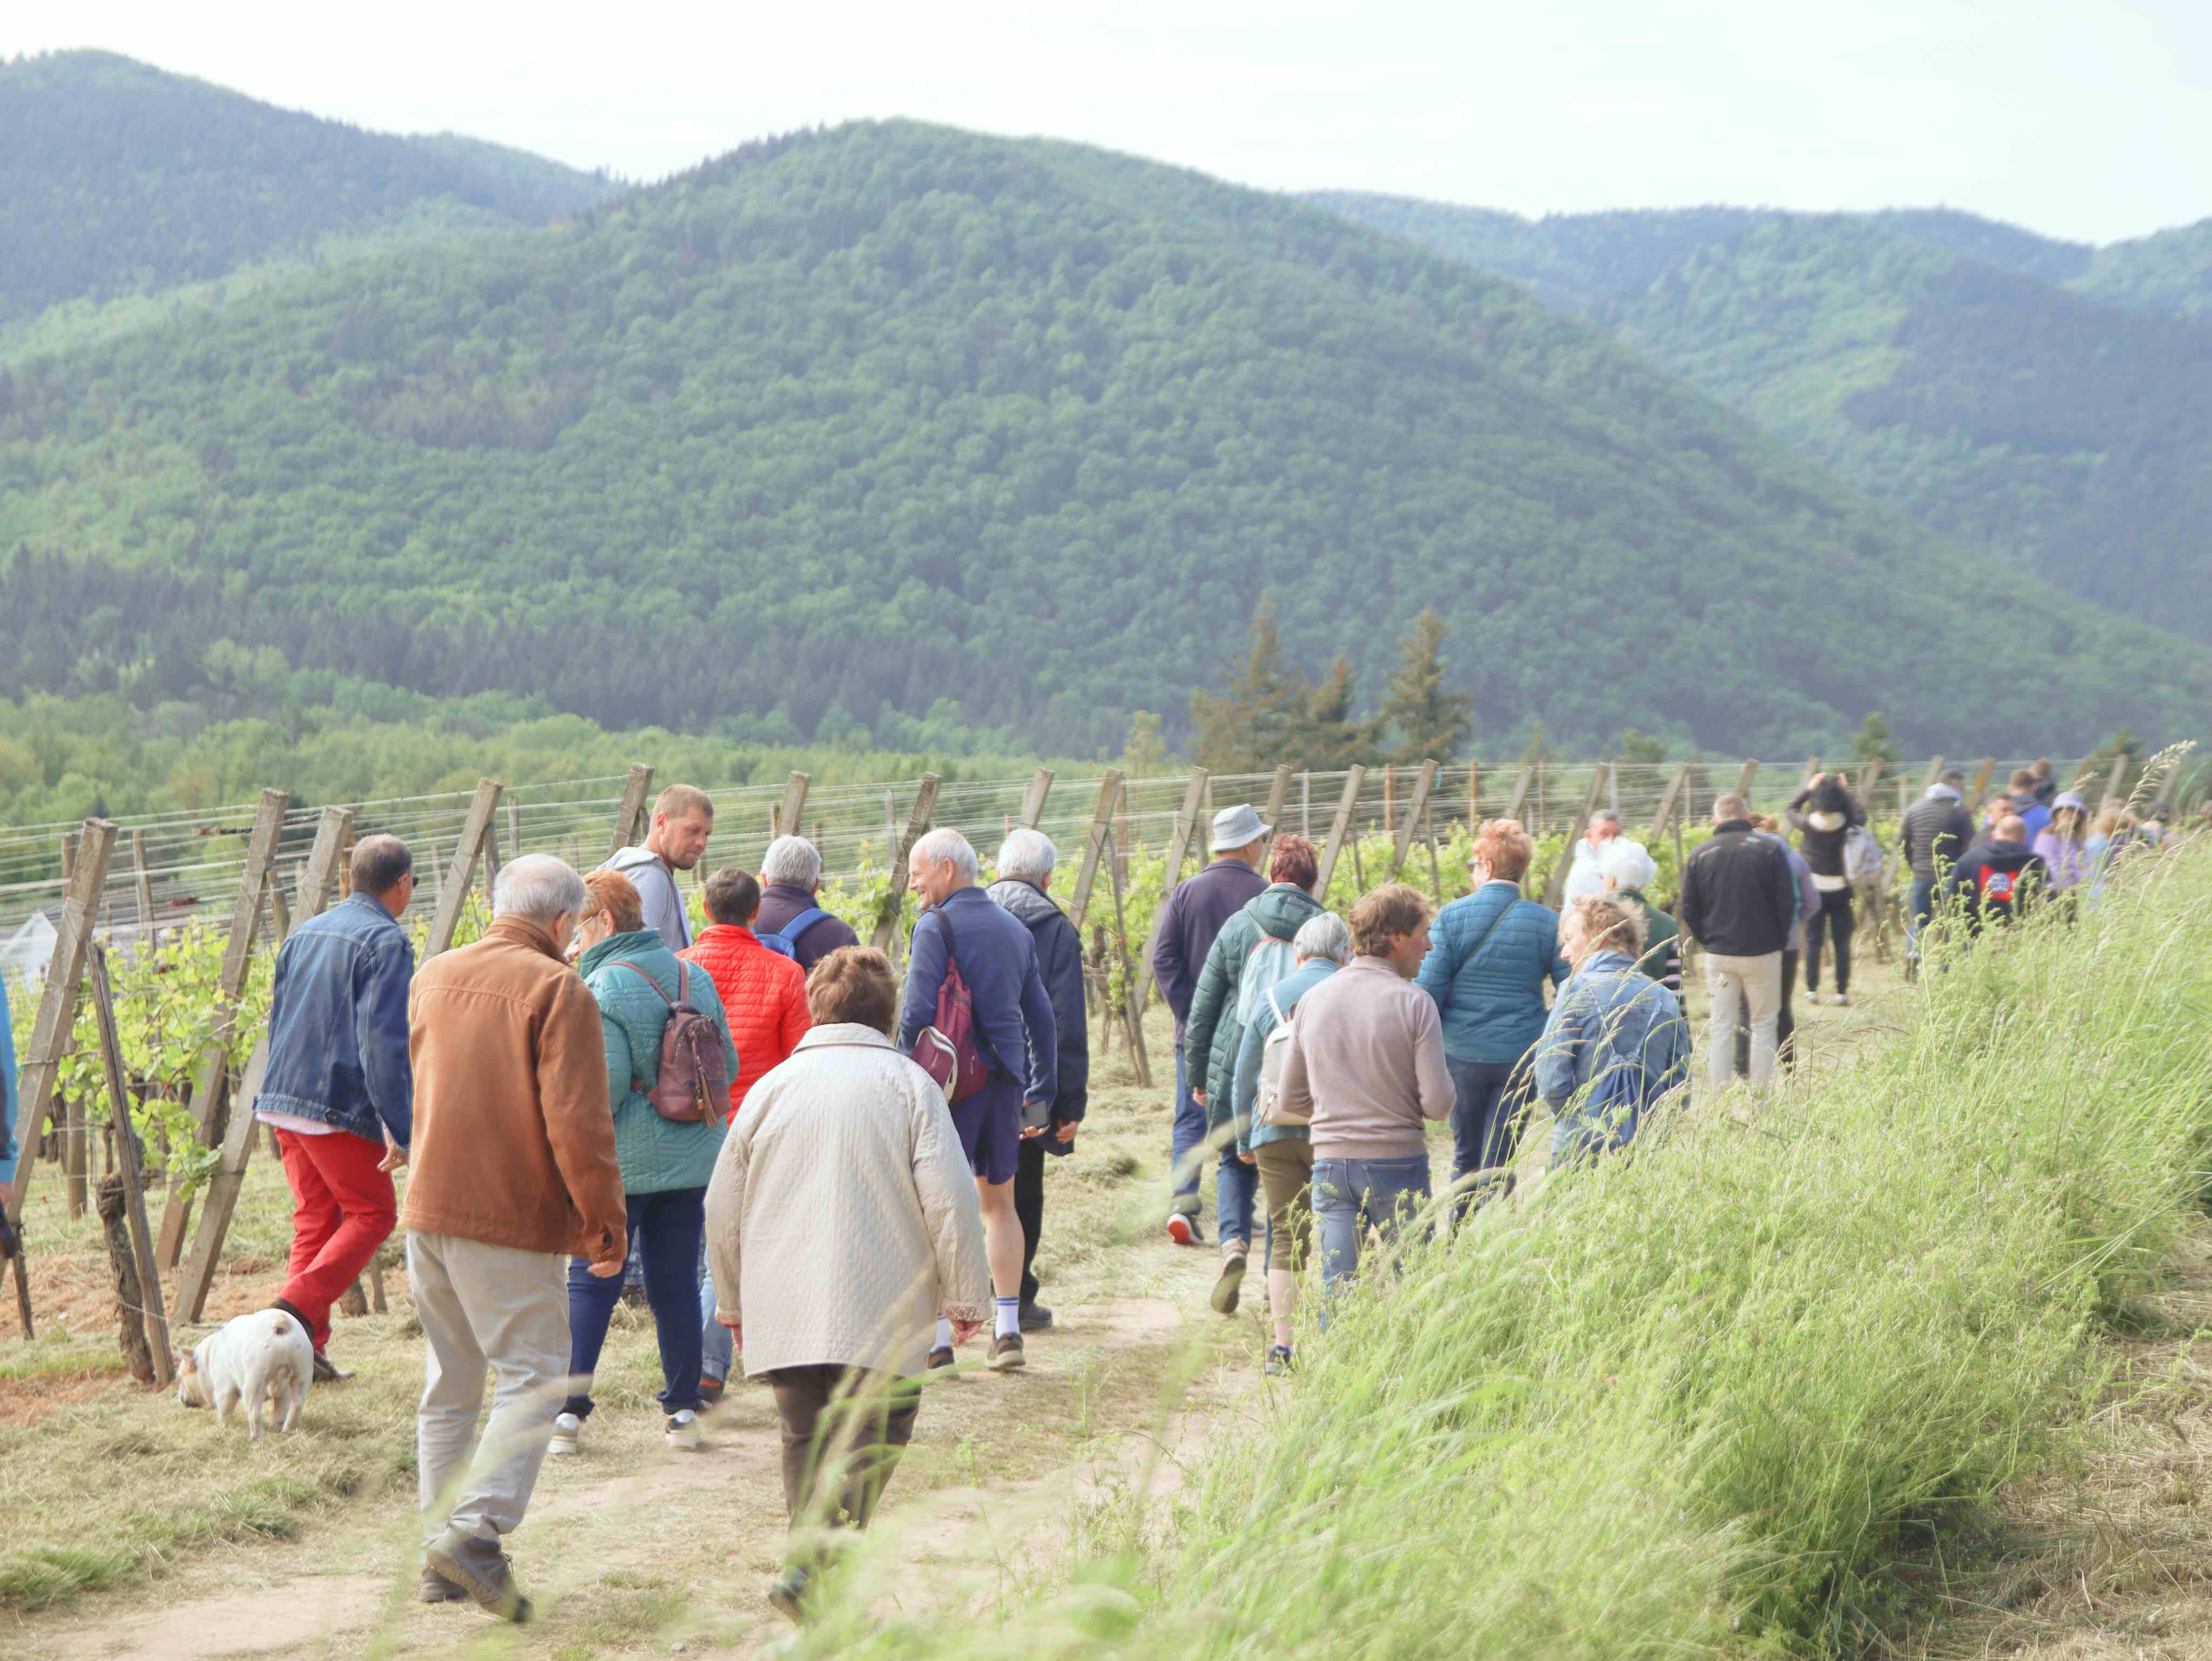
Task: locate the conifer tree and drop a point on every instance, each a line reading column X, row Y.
column 1422, row 718
column 1875, row 742
column 1254, row 723
column 1331, row 739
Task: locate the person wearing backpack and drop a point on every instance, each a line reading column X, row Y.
column 643, row 990
column 976, row 1007
column 1997, row 878
column 791, row 919
column 763, row 994
column 1251, row 953
column 1824, row 813
column 1279, row 1144
column 1026, row 859
column 1616, row 1041
column 1491, row 954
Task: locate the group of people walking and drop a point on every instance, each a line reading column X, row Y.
column 833, row 1177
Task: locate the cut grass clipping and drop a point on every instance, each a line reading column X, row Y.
column 1698, row 1399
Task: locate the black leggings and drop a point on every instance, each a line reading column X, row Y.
column 1834, row 919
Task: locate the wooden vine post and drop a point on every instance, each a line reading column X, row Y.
column 2113, row 780
column 1669, row 802
column 1278, row 799
column 1099, row 851
column 1034, row 799
column 1744, row 776
column 146, row 1275
column 460, row 876
column 790, row 815
column 1982, row 782
column 1339, row 826
column 885, row 937
column 333, row 842
column 633, row 815
column 1935, row 771
column 1517, row 804
column 1416, row 807
column 53, row 1025
column 142, row 884
column 1185, row 825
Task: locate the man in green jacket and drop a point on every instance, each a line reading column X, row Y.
column 1251, row 953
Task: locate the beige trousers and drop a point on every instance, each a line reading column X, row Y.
column 485, row 1308
column 1753, row 981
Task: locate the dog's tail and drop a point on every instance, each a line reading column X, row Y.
column 283, row 1323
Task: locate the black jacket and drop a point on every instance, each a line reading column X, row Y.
column 1935, row 828
column 1824, row 818
column 1739, row 897
column 1995, row 879
column 1059, row 961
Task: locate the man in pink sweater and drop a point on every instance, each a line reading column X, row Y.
column 1366, row 1068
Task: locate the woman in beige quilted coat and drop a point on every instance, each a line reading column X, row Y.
column 842, row 1218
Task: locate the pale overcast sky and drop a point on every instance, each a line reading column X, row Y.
column 2082, row 118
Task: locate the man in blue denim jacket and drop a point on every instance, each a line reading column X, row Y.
column 338, row 1091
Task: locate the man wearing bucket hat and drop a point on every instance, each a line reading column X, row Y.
column 1192, row 917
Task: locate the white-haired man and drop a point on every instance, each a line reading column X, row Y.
column 1026, row 859
column 1014, row 1029
column 790, row 910
column 1584, row 876
column 514, row 1155
column 683, row 820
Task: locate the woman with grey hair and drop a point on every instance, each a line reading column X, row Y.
column 1026, row 859
column 1284, row 1152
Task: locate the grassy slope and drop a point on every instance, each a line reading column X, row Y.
column 1023, row 425
column 1697, row 1401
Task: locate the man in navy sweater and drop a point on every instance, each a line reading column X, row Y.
column 1183, row 936
column 1014, row 1028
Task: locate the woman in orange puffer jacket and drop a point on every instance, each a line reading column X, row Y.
column 764, row 993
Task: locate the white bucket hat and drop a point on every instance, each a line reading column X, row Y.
column 1235, row 827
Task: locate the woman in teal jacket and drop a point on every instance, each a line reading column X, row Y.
column 665, row 1165
column 1489, row 958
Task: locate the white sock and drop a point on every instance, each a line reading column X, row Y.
column 944, row 1332
column 1282, row 1301
column 1010, row 1318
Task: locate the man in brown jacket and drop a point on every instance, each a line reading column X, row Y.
column 514, row 1169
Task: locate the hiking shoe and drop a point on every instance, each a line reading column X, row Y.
column 684, row 1431
column 942, row 1356
column 327, row 1371
column 1227, row 1288
column 482, row 1571
column 1036, row 1317
column 1182, row 1229
column 1842, row 1000
column 436, row 1589
column 566, row 1428
column 1279, row 1361
column 710, row 1390
column 788, row 1595
column 1007, row 1352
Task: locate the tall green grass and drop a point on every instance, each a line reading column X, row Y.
column 1696, row 1399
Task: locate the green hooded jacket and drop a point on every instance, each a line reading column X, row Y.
column 656, row 1154
column 1212, row 1036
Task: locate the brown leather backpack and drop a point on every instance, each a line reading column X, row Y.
column 693, row 1084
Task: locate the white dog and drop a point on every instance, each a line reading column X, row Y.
column 259, row 1358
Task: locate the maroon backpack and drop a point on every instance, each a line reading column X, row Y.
column 694, row 1083
column 947, row 1050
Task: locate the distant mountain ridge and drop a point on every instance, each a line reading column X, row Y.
column 119, row 179
column 2046, row 400
column 891, row 421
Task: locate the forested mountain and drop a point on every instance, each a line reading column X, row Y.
column 117, row 179
column 890, row 419
column 1928, row 356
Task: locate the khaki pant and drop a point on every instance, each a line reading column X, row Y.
column 1756, row 984
column 485, row 1307
column 1287, row 1179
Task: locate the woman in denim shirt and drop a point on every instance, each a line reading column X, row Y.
column 1616, row 1040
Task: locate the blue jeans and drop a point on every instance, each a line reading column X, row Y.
column 1350, row 1195
column 1491, row 1101
column 716, row 1351
column 1236, row 1184
column 1923, row 906
column 666, row 1229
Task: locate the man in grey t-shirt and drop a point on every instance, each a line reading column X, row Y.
column 683, row 820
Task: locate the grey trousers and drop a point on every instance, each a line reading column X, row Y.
column 485, row 1307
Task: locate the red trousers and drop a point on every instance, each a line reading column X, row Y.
column 343, row 1208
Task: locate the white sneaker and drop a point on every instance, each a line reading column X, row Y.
column 684, row 1431
column 1843, row 1000
column 565, row 1430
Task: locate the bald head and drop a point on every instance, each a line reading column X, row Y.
column 2011, row 828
